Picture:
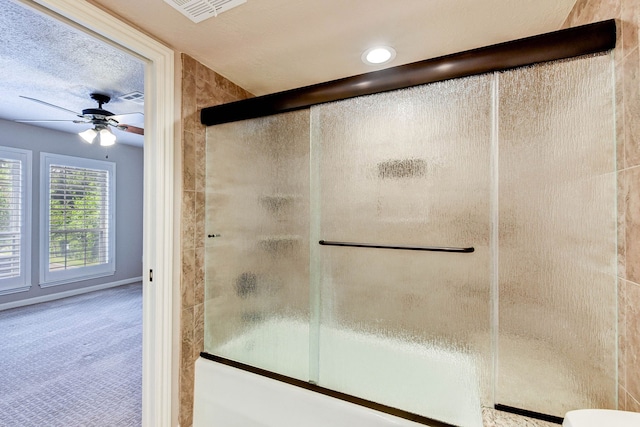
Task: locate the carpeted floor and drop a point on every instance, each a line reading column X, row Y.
column 73, row 362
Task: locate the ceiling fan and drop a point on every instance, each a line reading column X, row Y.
column 101, row 120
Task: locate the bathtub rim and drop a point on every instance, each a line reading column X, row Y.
column 390, row 410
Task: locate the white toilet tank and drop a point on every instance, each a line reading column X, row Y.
column 601, row 418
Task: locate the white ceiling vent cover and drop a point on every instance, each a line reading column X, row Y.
column 135, row 96
column 199, row 10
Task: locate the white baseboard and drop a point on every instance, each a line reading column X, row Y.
column 65, row 294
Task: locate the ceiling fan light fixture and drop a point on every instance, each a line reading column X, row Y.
column 106, row 138
column 101, row 120
column 88, row 135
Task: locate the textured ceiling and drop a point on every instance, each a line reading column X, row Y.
column 45, row 59
column 264, row 46
column 267, row 46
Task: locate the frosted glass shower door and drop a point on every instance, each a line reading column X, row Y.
column 409, row 329
column 557, row 237
column 257, row 252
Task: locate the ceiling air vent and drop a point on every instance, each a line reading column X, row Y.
column 199, row 10
column 135, row 96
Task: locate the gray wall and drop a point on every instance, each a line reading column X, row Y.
column 129, row 163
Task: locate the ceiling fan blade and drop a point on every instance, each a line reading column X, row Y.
column 131, row 129
column 131, row 116
column 50, row 105
column 48, row 121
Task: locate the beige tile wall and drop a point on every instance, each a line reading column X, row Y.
column 201, row 87
column 627, row 13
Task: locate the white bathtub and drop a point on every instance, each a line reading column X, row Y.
column 230, row 397
column 425, row 380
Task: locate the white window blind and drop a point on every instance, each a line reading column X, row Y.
column 78, row 217
column 79, row 223
column 14, row 210
column 10, row 217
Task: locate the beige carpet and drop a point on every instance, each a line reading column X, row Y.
column 73, row 362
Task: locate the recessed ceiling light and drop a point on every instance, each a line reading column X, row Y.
column 378, row 55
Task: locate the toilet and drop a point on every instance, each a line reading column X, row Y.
column 601, row 418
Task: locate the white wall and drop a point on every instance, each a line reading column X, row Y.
column 129, row 184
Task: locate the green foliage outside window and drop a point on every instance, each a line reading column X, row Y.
column 6, row 193
column 9, row 213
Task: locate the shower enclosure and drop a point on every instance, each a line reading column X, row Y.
column 433, row 249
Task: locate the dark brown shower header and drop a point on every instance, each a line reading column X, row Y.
column 583, row 40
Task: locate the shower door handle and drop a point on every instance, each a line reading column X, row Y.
column 405, row 248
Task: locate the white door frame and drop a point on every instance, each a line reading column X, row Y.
column 159, row 374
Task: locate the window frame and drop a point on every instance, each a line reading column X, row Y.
column 59, row 277
column 22, row 282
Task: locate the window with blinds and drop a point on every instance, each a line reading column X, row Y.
column 79, row 218
column 15, row 256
